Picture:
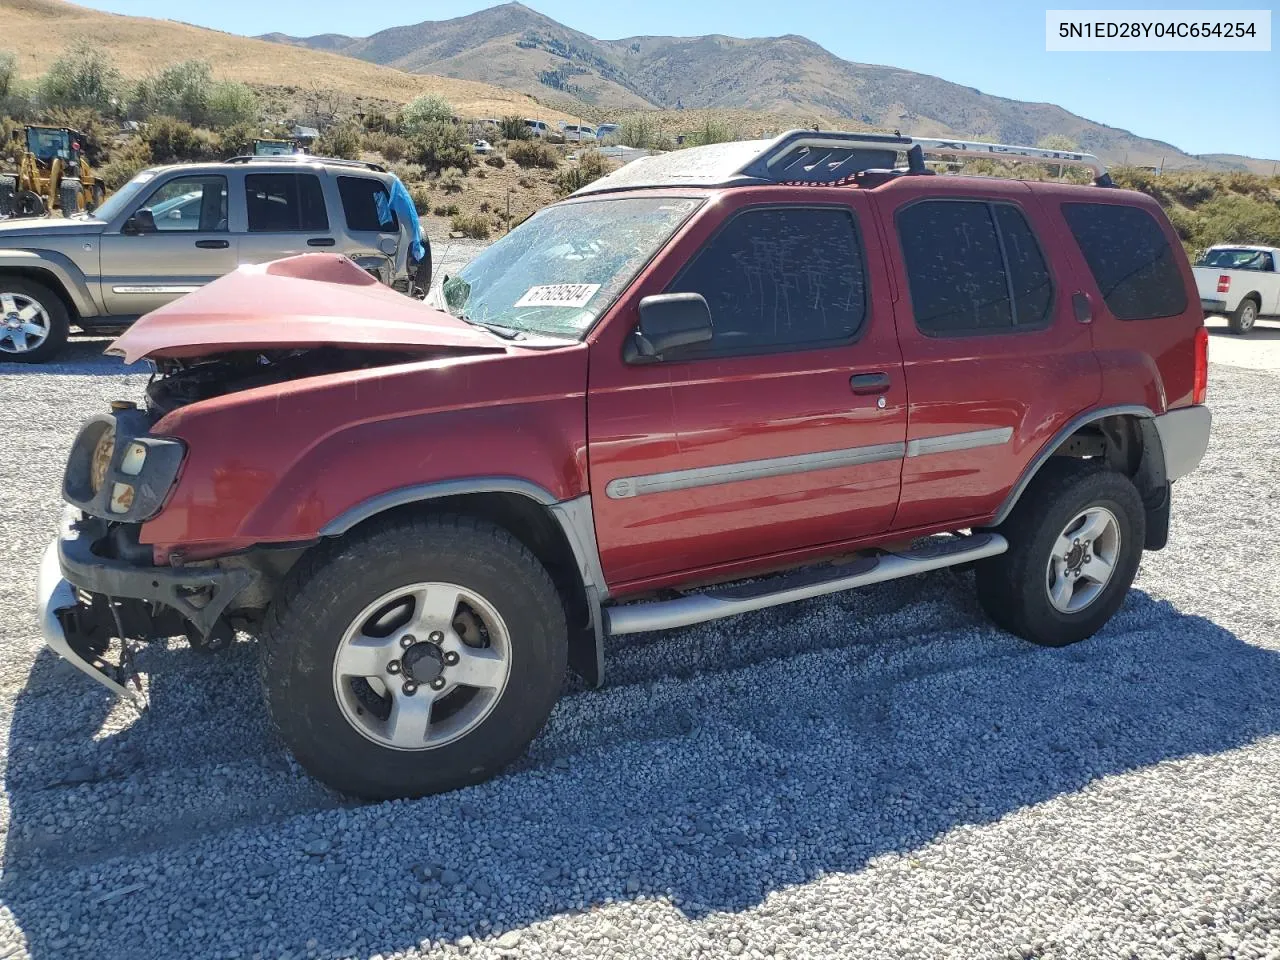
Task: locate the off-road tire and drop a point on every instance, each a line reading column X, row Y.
column 1244, row 318
column 1012, row 586
column 69, row 197
column 28, row 203
column 330, row 586
column 8, row 195
column 99, row 194
column 59, row 320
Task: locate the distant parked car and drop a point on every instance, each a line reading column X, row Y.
column 170, row 230
column 1240, row 281
column 538, row 128
column 623, row 155
column 577, row 132
column 606, row 130
column 482, row 147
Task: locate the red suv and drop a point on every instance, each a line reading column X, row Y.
column 717, row 380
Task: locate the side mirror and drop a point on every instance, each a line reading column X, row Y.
column 669, row 320
column 142, row 221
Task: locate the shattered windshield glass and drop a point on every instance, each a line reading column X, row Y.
column 559, row 270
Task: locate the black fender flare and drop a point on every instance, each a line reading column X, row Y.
column 576, row 522
column 1151, row 477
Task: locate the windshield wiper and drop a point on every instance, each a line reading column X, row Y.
column 506, row 333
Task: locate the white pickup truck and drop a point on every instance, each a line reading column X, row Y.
column 1240, row 281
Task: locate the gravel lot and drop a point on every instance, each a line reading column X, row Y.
column 879, row 774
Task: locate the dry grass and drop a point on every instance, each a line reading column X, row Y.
column 42, row 29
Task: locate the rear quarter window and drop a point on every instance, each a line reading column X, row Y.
column 1130, row 259
column 366, row 203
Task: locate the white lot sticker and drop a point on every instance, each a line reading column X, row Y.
column 559, row 295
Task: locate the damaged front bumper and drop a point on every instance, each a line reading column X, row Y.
column 87, row 600
column 57, row 602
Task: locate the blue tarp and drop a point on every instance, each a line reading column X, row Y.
column 401, row 204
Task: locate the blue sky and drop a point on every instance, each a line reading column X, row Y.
column 1201, row 102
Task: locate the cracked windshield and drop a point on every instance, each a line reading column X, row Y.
column 556, row 273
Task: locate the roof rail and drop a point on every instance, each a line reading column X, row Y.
column 308, row 158
column 818, row 157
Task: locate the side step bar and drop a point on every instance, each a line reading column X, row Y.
column 731, row 599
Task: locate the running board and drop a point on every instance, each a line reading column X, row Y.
column 731, row 599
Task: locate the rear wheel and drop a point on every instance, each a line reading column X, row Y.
column 1244, row 318
column 417, row 657
column 33, row 321
column 1075, row 540
column 99, row 194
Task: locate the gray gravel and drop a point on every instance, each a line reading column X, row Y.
column 879, row 774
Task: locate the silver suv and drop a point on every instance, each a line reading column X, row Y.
column 172, row 229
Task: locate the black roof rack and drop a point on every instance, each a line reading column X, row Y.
column 817, row 157
column 308, row 158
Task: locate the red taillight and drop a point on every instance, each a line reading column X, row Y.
column 1200, row 380
column 1224, row 283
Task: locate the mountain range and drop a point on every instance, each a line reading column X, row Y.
column 516, row 47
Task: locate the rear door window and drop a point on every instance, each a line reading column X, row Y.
column 973, row 266
column 285, row 203
column 1028, row 275
column 954, row 267
column 366, row 203
column 1130, row 258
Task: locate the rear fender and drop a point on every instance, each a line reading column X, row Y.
column 1132, row 377
column 1150, row 474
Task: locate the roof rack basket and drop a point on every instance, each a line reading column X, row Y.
column 823, row 157
column 828, row 157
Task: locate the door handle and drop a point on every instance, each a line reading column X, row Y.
column 321, row 242
column 867, row 383
column 212, row 244
column 1082, row 307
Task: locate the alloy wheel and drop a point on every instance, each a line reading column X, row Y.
column 1083, row 560
column 24, row 323
column 422, row 666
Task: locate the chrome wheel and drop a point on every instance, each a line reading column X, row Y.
column 1248, row 316
column 422, row 666
column 1083, row 560
column 24, row 323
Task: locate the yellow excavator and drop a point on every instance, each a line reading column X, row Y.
column 53, row 174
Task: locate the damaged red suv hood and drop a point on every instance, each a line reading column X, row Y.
column 312, row 300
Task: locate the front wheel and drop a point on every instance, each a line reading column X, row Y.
column 1245, row 316
column 34, row 322
column 1075, row 540
column 415, row 658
